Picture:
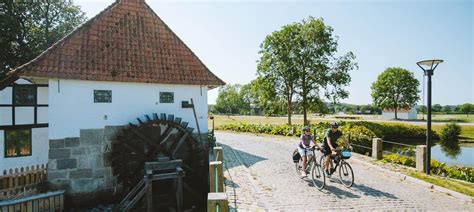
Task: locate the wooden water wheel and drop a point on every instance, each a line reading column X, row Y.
column 155, row 137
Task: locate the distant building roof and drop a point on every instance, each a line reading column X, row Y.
column 126, row 42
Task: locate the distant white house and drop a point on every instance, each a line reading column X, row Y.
column 409, row 114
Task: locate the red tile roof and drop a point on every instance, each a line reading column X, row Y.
column 126, row 42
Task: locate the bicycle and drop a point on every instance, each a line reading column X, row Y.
column 346, row 174
column 317, row 177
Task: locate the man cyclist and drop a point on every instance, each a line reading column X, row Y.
column 306, row 142
column 329, row 146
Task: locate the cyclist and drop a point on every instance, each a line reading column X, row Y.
column 306, row 142
column 329, row 146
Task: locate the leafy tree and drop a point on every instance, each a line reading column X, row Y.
column 264, row 95
column 29, row 27
column 466, row 108
column 228, row 100
column 300, row 59
column 246, row 99
column 276, row 68
column 395, row 88
column 437, row 108
column 447, row 109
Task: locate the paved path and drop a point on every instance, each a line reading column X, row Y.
column 260, row 176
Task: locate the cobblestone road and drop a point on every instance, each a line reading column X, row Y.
column 260, row 176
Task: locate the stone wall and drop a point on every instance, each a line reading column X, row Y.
column 81, row 165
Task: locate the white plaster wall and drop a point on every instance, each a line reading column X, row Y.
column 391, row 115
column 24, row 115
column 6, row 96
column 42, row 115
column 5, row 116
column 73, row 107
column 39, row 152
column 42, row 95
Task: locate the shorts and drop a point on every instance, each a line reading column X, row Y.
column 304, row 152
column 326, row 150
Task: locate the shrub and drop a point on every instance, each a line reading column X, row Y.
column 450, row 133
column 437, row 168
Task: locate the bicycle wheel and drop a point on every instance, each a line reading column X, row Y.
column 346, row 175
column 317, row 175
column 297, row 167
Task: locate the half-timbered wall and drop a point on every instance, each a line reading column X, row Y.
column 30, row 116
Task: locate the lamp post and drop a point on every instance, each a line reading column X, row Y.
column 428, row 67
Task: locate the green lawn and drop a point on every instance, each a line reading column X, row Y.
column 461, row 187
column 467, row 132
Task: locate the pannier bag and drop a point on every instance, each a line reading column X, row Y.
column 296, row 156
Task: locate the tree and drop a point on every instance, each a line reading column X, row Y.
column 29, row 27
column 246, row 99
column 395, row 88
column 466, row 108
column 228, row 99
column 264, row 95
column 447, row 109
column 437, row 108
column 300, row 59
column 276, row 68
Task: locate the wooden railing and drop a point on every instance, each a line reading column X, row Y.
column 21, row 181
column 51, row 201
column 217, row 198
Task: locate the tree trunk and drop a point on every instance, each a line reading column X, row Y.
column 289, row 110
column 305, row 118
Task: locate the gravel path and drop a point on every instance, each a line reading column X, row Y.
column 260, row 176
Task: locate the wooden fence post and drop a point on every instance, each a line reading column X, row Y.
column 216, row 176
column 217, row 202
column 218, row 153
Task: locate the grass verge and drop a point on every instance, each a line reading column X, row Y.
column 461, row 187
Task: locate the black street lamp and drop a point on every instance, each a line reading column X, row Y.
column 428, row 67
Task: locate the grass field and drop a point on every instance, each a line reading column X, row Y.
column 451, row 118
column 467, row 133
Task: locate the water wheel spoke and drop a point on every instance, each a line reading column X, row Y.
column 180, row 143
column 165, row 134
column 145, row 138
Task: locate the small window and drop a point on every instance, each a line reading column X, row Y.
column 102, row 96
column 166, row 97
column 24, row 95
column 17, row 143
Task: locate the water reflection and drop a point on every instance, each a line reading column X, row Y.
column 451, row 149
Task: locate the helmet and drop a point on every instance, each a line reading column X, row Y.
column 334, row 124
column 306, row 129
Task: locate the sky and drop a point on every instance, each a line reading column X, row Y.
column 226, row 36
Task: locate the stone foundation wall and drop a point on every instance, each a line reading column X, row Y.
column 81, row 165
